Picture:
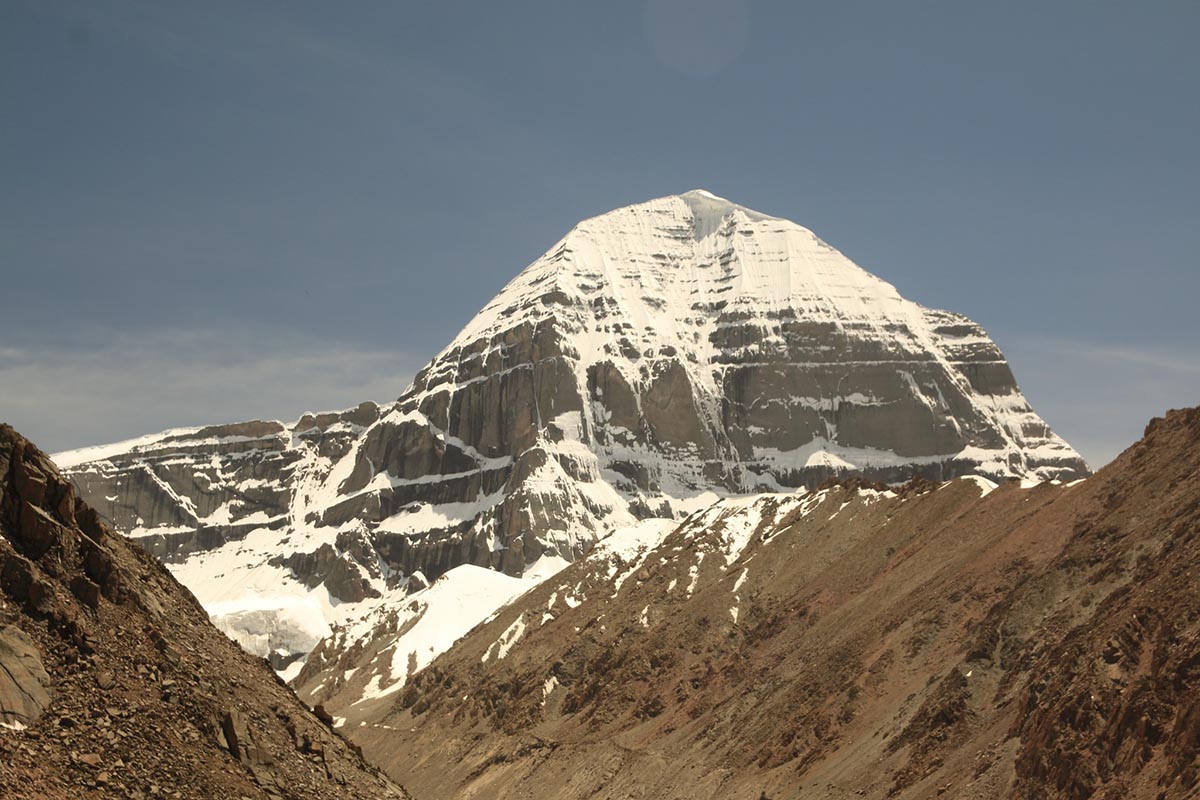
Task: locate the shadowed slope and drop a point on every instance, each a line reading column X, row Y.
column 127, row 690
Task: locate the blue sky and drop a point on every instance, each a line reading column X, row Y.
column 215, row 211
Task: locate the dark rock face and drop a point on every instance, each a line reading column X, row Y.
column 24, row 685
column 656, row 354
column 342, row 576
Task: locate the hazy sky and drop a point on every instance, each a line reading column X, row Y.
column 216, row 211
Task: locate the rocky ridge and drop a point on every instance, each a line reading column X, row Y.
column 113, row 683
column 960, row 639
column 656, row 358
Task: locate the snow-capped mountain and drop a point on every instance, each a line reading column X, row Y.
column 658, row 357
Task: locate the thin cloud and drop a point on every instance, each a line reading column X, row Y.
column 1152, row 359
column 1099, row 397
column 128, row 386
column 13, row 354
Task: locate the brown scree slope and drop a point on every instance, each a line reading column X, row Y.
column 114, row 684
column 1027, row 643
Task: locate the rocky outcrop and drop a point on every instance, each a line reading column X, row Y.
column 24, row 685
column 335, row 569
column 113, row 683
column 187, row 491
column 959, row 640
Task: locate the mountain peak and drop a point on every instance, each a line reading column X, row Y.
column 709, row 211
column 706, row 200
column 655, row 358
column 704, row 210
column 721, row 290
column 672, row 260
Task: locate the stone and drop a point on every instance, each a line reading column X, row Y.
column 21, row 582
column 233, row 733
column 670, row 410
column 89, row 522
column 31, row 483
column 99, row 566
column 65, row 507
column 417, row 582
column 320, row 713
column 24, row 684
column 86, row 590
column 39, row 530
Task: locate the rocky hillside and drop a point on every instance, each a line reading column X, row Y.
column 656, row 358
column 113, row 683
column 960, row 640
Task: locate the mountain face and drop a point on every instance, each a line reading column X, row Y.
column 113, row 683
column 962, row 639
column 656, row 358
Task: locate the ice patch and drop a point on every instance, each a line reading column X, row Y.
column 512, row 634
column 986, row 487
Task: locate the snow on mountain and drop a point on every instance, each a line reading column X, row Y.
column 857, row 639
column 368, row 660
column 394, row 640
column 656, row 359
column 705, row 548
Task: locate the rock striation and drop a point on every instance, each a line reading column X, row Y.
column 657, row 357
column 24, row 684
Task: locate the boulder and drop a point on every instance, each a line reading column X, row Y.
column 39, row 530
column 24, row 684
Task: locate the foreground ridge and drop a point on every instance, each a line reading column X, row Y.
column 113, row 683
column 963, row 639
